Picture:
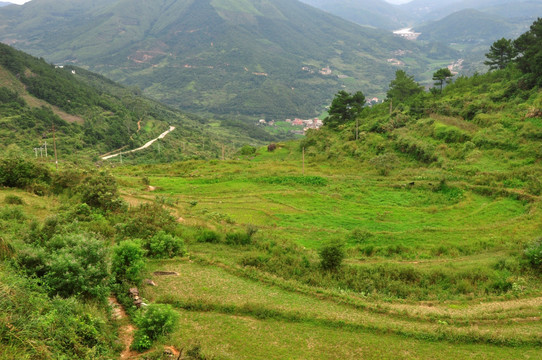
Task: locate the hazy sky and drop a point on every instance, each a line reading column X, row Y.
column 390, row 1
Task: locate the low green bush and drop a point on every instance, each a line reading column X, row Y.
column 208, row 236
column 155, row 321
column 69, row 265
column 332, row 254
column 13, row 200
column 127, row 262
column 164, row 245
column 238, row 238
column 533, row 254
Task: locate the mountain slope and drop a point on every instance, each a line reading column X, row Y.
column 377, row 13
column 466, row 26
column 92, row 115
column 223, row 56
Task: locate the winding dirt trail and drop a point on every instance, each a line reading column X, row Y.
column 126, row 329
column 149, row 143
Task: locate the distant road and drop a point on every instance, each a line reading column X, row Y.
column 161, row 136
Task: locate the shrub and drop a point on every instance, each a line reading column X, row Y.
column 237, row 238
column 360, row 235
column 164, row 245
column 21, row 173
column 6, row 250
column 146, row 220
column 79, row 267
column 385, row 163
column 247, row 150
column 208, row 236
column 127, row 262
column 156, row 321
column 101, row 192
column 69, row 265
column 13, row 200
column 533, row 253
column 332, row 253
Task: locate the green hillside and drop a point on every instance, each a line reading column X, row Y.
column 376, row 13
column 92, row 115
column 248, row 57
column 467, row 26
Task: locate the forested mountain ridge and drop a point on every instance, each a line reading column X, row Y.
column 222, row 56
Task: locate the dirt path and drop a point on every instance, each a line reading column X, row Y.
column 149, row 143
column 126, row 329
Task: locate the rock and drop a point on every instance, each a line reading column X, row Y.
column 165, row 273
column 149, row 282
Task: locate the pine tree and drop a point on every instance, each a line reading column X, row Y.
column 529, row 48
column 500, row 54
column 441, row 76
column 403, row 87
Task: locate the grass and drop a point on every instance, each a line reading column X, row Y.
column 424, row 228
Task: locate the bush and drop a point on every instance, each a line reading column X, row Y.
column 332, row 253
column 237, row 238
column 247, row 150
column 21, row 173
column 164, row 245
column 146, row 220
column 69, row 265
column 101, row 192
column 156, row 321
column 533, row 253
column 44, row 328
column 208, row 236
column 385, row 163
column 127, row 262
column 6, row 250
column 13, row 200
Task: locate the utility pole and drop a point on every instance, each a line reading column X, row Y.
column 222, row 152
column 54, row 146
column 45, row 148
column 303, row 161
column 391, row 106
column 357, row 128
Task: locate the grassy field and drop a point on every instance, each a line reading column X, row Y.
column 447, row 258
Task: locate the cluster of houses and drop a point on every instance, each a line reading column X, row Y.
column 307, row 124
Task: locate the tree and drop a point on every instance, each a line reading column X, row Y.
column 500, row 54
column 441, row 76
column 403, row 87
column 344, row 108
column 529, row 48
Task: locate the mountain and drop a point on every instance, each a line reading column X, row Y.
column 376, row 13
column 466, row 26
column 4, row 3
column 427, row 10
column 277, row 58
column 92, row 115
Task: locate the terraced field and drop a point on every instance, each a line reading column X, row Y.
column 447, row 260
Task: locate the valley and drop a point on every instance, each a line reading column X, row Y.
column 302, row 193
